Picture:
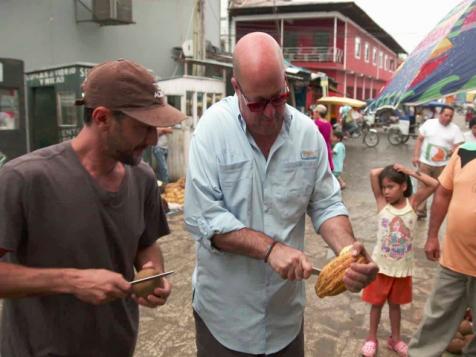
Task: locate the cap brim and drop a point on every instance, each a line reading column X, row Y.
column 157, row 115
column 79, row 101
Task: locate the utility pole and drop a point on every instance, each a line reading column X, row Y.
column 199, row 50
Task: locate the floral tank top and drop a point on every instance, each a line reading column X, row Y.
column 393, row 252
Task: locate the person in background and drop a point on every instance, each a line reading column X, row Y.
column 347, row 121
column 469, row 116
column 454, row 288
column 161, row 152
column 393, row 252
column 256, row 167
column 325, row 128
column 436, row 141
column 338, row 157
column 470, row 135
column 76, row 218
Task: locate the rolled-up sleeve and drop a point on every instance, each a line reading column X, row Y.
column 205, row 212
column 326, row 200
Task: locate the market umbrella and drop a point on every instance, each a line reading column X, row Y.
column 342, row 101
column 442, row 64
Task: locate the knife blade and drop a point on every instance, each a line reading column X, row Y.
column 152, row 277
column 315, row 271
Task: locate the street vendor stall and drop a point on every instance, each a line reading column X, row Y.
column 334, row 103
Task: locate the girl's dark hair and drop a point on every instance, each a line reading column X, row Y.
column 338, row 135
column 472, row 123
column 397, row 177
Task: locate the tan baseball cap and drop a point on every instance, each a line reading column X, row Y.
column 321, row 109
column 128, row 87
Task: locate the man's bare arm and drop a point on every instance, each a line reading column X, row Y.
column 417, row 150
column 439, row 208
column 90, row 285
column 244, row 242
column 337, row 233
column 288, row 262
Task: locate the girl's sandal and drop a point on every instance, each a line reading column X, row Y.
column 398, row 346
column 369, row 349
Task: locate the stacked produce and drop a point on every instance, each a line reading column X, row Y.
column 175, row 192
column 463, row 336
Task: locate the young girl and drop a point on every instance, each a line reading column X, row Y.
column 393, row 252
column 338, row 156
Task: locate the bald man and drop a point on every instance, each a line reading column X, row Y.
column 256, row 165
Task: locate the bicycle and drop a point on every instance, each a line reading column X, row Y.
column 396, row 137
column 370, row 135
column 365, row 127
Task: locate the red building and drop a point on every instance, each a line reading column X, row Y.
column 337, row 38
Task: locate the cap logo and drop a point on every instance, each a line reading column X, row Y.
column 158, row 93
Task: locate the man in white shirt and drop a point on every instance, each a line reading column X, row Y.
column 436, row 142
column 470, row 135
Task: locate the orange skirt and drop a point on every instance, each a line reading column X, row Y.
column 396, row 290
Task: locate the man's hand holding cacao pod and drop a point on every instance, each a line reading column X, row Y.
column 352, row 270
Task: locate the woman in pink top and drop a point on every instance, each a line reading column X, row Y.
column 325, row 128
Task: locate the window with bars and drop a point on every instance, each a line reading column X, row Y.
column 357, row 47
column 67, row 111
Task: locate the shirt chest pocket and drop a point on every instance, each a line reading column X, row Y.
column 235, row 182
column 294, row 187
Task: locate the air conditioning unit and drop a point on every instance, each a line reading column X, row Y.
column 112, row 12
column 187, row 48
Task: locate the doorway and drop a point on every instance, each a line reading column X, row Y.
column 44, row 123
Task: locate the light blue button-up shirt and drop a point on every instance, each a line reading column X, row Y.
column 231, row 185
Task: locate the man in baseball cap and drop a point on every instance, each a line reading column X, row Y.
column 128, row 87
column 78, row 217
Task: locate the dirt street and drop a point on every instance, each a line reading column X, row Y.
column 334, row 326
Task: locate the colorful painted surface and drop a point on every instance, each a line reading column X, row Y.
column 442, row 64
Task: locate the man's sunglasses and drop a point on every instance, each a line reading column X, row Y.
column 261, row 105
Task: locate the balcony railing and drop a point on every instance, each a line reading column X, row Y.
column 314, row 54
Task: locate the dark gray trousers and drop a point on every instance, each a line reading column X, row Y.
column 208, row 346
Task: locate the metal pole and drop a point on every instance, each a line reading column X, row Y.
column 335, row 40
column 282, row 34
column 345, row 83
column 345, row 47
column 363, row 87
column 198, row 36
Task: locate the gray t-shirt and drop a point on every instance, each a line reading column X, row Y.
column 54, row 215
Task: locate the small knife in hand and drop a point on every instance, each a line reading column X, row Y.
column 156, row 276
